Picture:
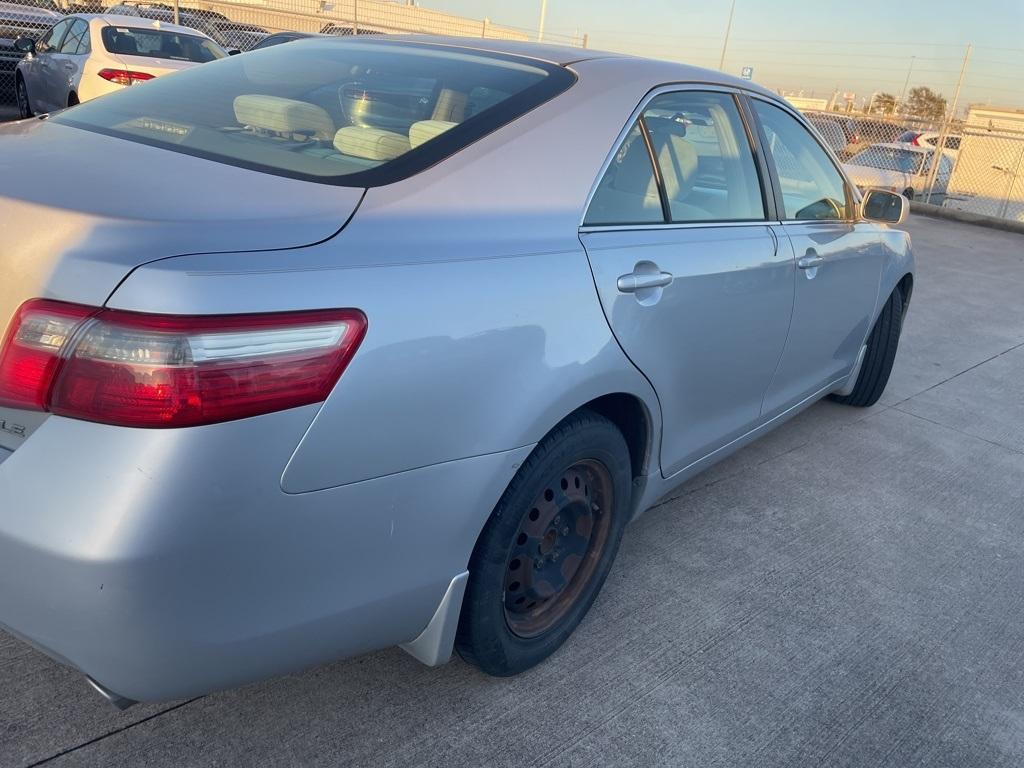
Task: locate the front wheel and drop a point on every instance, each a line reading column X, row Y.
column 546, row 549
column 21, row 93
column 879, row 357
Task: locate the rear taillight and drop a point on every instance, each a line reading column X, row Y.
column 144, row 370
column 39, row 334
column 124, row 76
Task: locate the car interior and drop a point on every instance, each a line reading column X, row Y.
column 327, row 116
column 699, row 159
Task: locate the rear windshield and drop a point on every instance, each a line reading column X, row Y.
column 353, row 112
column 160, row 44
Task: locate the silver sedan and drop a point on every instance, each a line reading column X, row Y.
column 346, row 344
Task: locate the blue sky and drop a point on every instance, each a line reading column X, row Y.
column 809, row 45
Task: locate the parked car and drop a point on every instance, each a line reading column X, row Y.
column 282, row 37
column 82, row 57
column 278, row 387
column 902, row 168
column 831, row 131
column 931, row 139
column 848, row 126
column 878, row 131
column 30, row 19
column 341, row 30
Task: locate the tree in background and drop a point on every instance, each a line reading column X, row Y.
column 925, row 103
column 884, row 104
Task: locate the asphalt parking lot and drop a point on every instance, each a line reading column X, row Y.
column 847, row 591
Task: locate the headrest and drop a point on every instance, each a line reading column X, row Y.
column 370, row 143
column 425, row 130
column 288, row 116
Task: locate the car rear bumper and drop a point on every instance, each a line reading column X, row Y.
column 169, row 563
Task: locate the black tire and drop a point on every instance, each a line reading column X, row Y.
column 909, row 194
column 878, row 360
column 495, row 633
column 21, row 95
column 73, row 99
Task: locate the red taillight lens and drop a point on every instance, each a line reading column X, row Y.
column 143, row 370
column 32, row 349
column 124, row 76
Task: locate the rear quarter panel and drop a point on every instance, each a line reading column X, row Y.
column 461, row 358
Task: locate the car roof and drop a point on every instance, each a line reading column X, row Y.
column 565, row 55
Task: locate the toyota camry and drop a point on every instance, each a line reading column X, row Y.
column 347, row 344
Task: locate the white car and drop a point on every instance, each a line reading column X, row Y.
column 85, row 56
column 931, row 139
column 902, row 168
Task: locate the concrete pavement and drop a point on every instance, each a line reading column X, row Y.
column 846, row 591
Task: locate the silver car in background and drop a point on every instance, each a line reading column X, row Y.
column 352, row 343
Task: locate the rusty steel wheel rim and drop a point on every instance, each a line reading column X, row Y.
column 558, row 546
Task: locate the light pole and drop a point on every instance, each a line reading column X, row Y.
column 940, row 145
column 725, row 43
column 906, row 82
column 543, row 16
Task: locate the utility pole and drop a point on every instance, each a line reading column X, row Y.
column 543, row 16
column 725, row 43
column 906, row 82
column 940, row 145
column 355, row 17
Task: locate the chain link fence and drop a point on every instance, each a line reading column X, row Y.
column 980, row 168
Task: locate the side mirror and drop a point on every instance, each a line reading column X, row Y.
column 233, row 51
column 25, row 45
column 884, row 206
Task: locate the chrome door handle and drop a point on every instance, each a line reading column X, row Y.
column 635, row 281
column 809, row 262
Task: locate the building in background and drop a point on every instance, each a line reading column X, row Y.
column 989, row 173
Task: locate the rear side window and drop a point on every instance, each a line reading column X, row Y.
column 812, row 187
column 160, row 44
column 628, row 191
column 352, row 112
column 704, row 163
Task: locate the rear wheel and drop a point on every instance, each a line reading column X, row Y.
column 879, row 357
column 546, row 549
column 21, row 94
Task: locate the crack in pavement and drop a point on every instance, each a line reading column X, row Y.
column 114, row 732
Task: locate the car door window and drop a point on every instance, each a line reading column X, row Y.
column 628, row 191
column 79, row 30
column 812, row 187
column 705, row 166
column 705, row 160
column 51, row 41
